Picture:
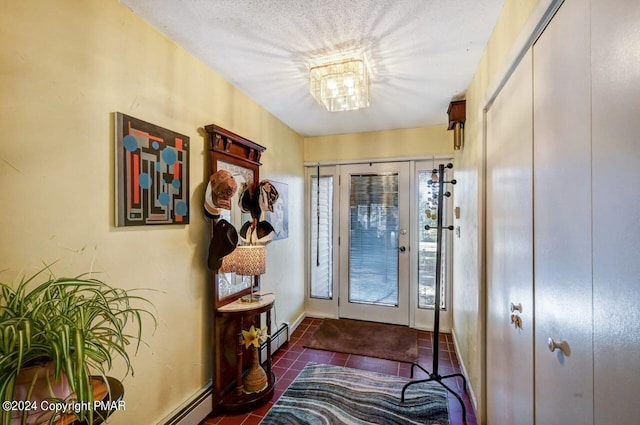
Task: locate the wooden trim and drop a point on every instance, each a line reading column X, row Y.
column 231, row 145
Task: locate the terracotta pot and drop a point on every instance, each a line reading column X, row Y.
column 255, row 380
column 39, row 381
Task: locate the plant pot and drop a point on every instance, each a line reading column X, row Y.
column 255, row 380
column 39, row 381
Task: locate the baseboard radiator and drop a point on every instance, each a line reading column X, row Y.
column 198, row 407
column 278, row 339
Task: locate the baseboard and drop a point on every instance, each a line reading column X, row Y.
column 472, row 395
column 278, row 339
column 198, row 407
column 194, row 410
column 297, row 322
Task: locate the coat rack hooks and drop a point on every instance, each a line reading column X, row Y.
column 435, row 375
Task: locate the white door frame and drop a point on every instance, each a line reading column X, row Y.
column 417, row 317
column 398, row 314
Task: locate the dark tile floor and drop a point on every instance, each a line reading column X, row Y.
column 292, row 358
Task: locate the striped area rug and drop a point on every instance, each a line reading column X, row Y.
column 331, row 395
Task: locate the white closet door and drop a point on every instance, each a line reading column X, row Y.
column 510, row 251
column 562, row 218
column 616, row 210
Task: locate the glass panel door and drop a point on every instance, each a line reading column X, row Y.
column 321, row 262
column 424, row 269
column 428, row 242
column 373, row 244
column 374, row 238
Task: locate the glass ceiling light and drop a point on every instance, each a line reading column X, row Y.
column 340, row 84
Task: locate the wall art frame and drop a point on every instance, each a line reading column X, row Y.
column 152, row 174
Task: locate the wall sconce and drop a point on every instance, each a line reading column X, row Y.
column 457, row 115
column 250, row 260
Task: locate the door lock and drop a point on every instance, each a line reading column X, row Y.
column 516, row 321
column 402, row 248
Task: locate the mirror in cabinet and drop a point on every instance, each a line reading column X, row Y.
column 241, row 158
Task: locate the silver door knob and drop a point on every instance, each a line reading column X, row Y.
column 402, row 248
column 516, row 307
column 555, row 345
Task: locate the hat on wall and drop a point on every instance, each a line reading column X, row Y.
column 268, row 195
column 210, row 210
column 261, row 235
column 223, row 242
column 223, row 187
column 249, row 201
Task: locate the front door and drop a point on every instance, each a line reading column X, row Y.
column 374, row 242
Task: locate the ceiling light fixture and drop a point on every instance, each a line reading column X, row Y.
column 340, row 84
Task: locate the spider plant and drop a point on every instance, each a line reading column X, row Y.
column 80, row 324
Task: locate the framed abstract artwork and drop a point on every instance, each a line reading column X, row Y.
column 152, row 174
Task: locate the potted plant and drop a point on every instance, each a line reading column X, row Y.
column 67, row 329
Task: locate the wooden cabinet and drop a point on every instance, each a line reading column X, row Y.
column 231, row 362
column 241, row 158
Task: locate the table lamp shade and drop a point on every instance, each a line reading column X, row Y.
column 251, row 260
column 229, row 262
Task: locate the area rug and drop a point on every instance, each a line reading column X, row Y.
column 371, row 339
column 334, row 395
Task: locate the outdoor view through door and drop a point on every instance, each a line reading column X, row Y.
column 374, row 240
column 373, row 244
column 427, row 244
column 370, row 255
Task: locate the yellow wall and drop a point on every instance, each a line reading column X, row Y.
column 67, row 65
column 468, row 292
column 412, row 142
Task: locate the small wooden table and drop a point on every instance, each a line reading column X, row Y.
column 236, row 400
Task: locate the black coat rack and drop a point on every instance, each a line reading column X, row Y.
column 435, row 375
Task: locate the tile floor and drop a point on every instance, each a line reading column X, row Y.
column 292, row 358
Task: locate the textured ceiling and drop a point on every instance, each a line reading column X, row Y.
column 422, row 53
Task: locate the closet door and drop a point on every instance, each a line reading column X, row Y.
column 562, row 219
column 510, row 251
column 616, row 210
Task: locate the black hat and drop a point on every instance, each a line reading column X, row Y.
column 249, row 200
column 223, row 242
column 261, row 235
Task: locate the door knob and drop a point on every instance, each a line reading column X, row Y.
column 402, row 248
column 515, row 307
column 555, row 345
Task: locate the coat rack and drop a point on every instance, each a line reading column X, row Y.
column 435, row 375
